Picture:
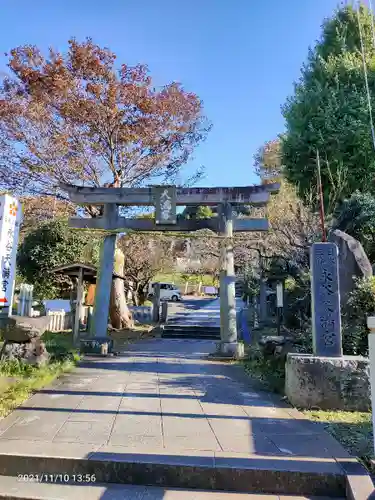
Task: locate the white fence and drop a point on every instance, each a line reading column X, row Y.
column 25, row 300
column 62, row 320
column 59, row 321
column 142, row 314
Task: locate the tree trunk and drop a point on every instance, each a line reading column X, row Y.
column 141, row 294
column 119, row 312
column 135, row 298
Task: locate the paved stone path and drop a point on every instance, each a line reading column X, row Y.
column 164, row 396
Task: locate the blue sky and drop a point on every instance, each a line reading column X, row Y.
column 241, row 57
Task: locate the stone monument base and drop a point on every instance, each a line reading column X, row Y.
column 97, row 345
column 328, row 383
column 234, row 350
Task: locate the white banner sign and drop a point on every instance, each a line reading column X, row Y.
column 279, row 295
column 10, row 220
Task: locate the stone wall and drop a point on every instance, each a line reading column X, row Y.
column 340, row 383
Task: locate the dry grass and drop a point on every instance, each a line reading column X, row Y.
column 352, row 429
column 121, row 338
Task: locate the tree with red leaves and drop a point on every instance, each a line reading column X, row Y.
column 75, row 118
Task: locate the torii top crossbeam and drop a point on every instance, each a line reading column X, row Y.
column 165, row 199
column 246, row 195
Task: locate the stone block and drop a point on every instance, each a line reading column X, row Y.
column 33, row 352
column 235, row 350
column 21, row 329
column 329, row 383
column 278, row 346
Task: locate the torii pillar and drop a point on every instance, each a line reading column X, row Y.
column 229, row 345
column 99, row 324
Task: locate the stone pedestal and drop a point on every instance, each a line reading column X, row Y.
column 328, row 383
column 99, row 346
column 233, row 350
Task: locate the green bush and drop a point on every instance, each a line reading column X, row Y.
column 360, row 305
column 50, row 245
column 250, row 284
column 15, row 368
column 269, row 370
column 297, row 310
column 60, row 346
column 304, row 338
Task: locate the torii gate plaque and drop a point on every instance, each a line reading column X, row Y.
column 165, row 199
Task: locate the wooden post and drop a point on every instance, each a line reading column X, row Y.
column 279, row 305
column 164, row 312
column 77, row 316
column 263, row 301
column 156, row 304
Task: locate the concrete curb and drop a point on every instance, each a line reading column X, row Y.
column 359, row 485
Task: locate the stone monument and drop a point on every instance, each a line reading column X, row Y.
column 353, row 262
column 325, row 300
column 326, row 379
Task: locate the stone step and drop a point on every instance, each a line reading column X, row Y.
column 194, row 328
column 189, row 334
column 198, row 326
column 15, row 489
column 277, row 475
column 192, row 336
column 173, row 331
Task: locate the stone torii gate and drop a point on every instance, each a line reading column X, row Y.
column 165, row 199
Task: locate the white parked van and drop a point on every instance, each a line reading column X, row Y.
column 168, row 291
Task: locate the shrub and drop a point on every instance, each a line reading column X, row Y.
column 250, row 284
column 360, row 305
column 269, row 370
column 297, row 311
column 49, row 245
column 60, row 346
